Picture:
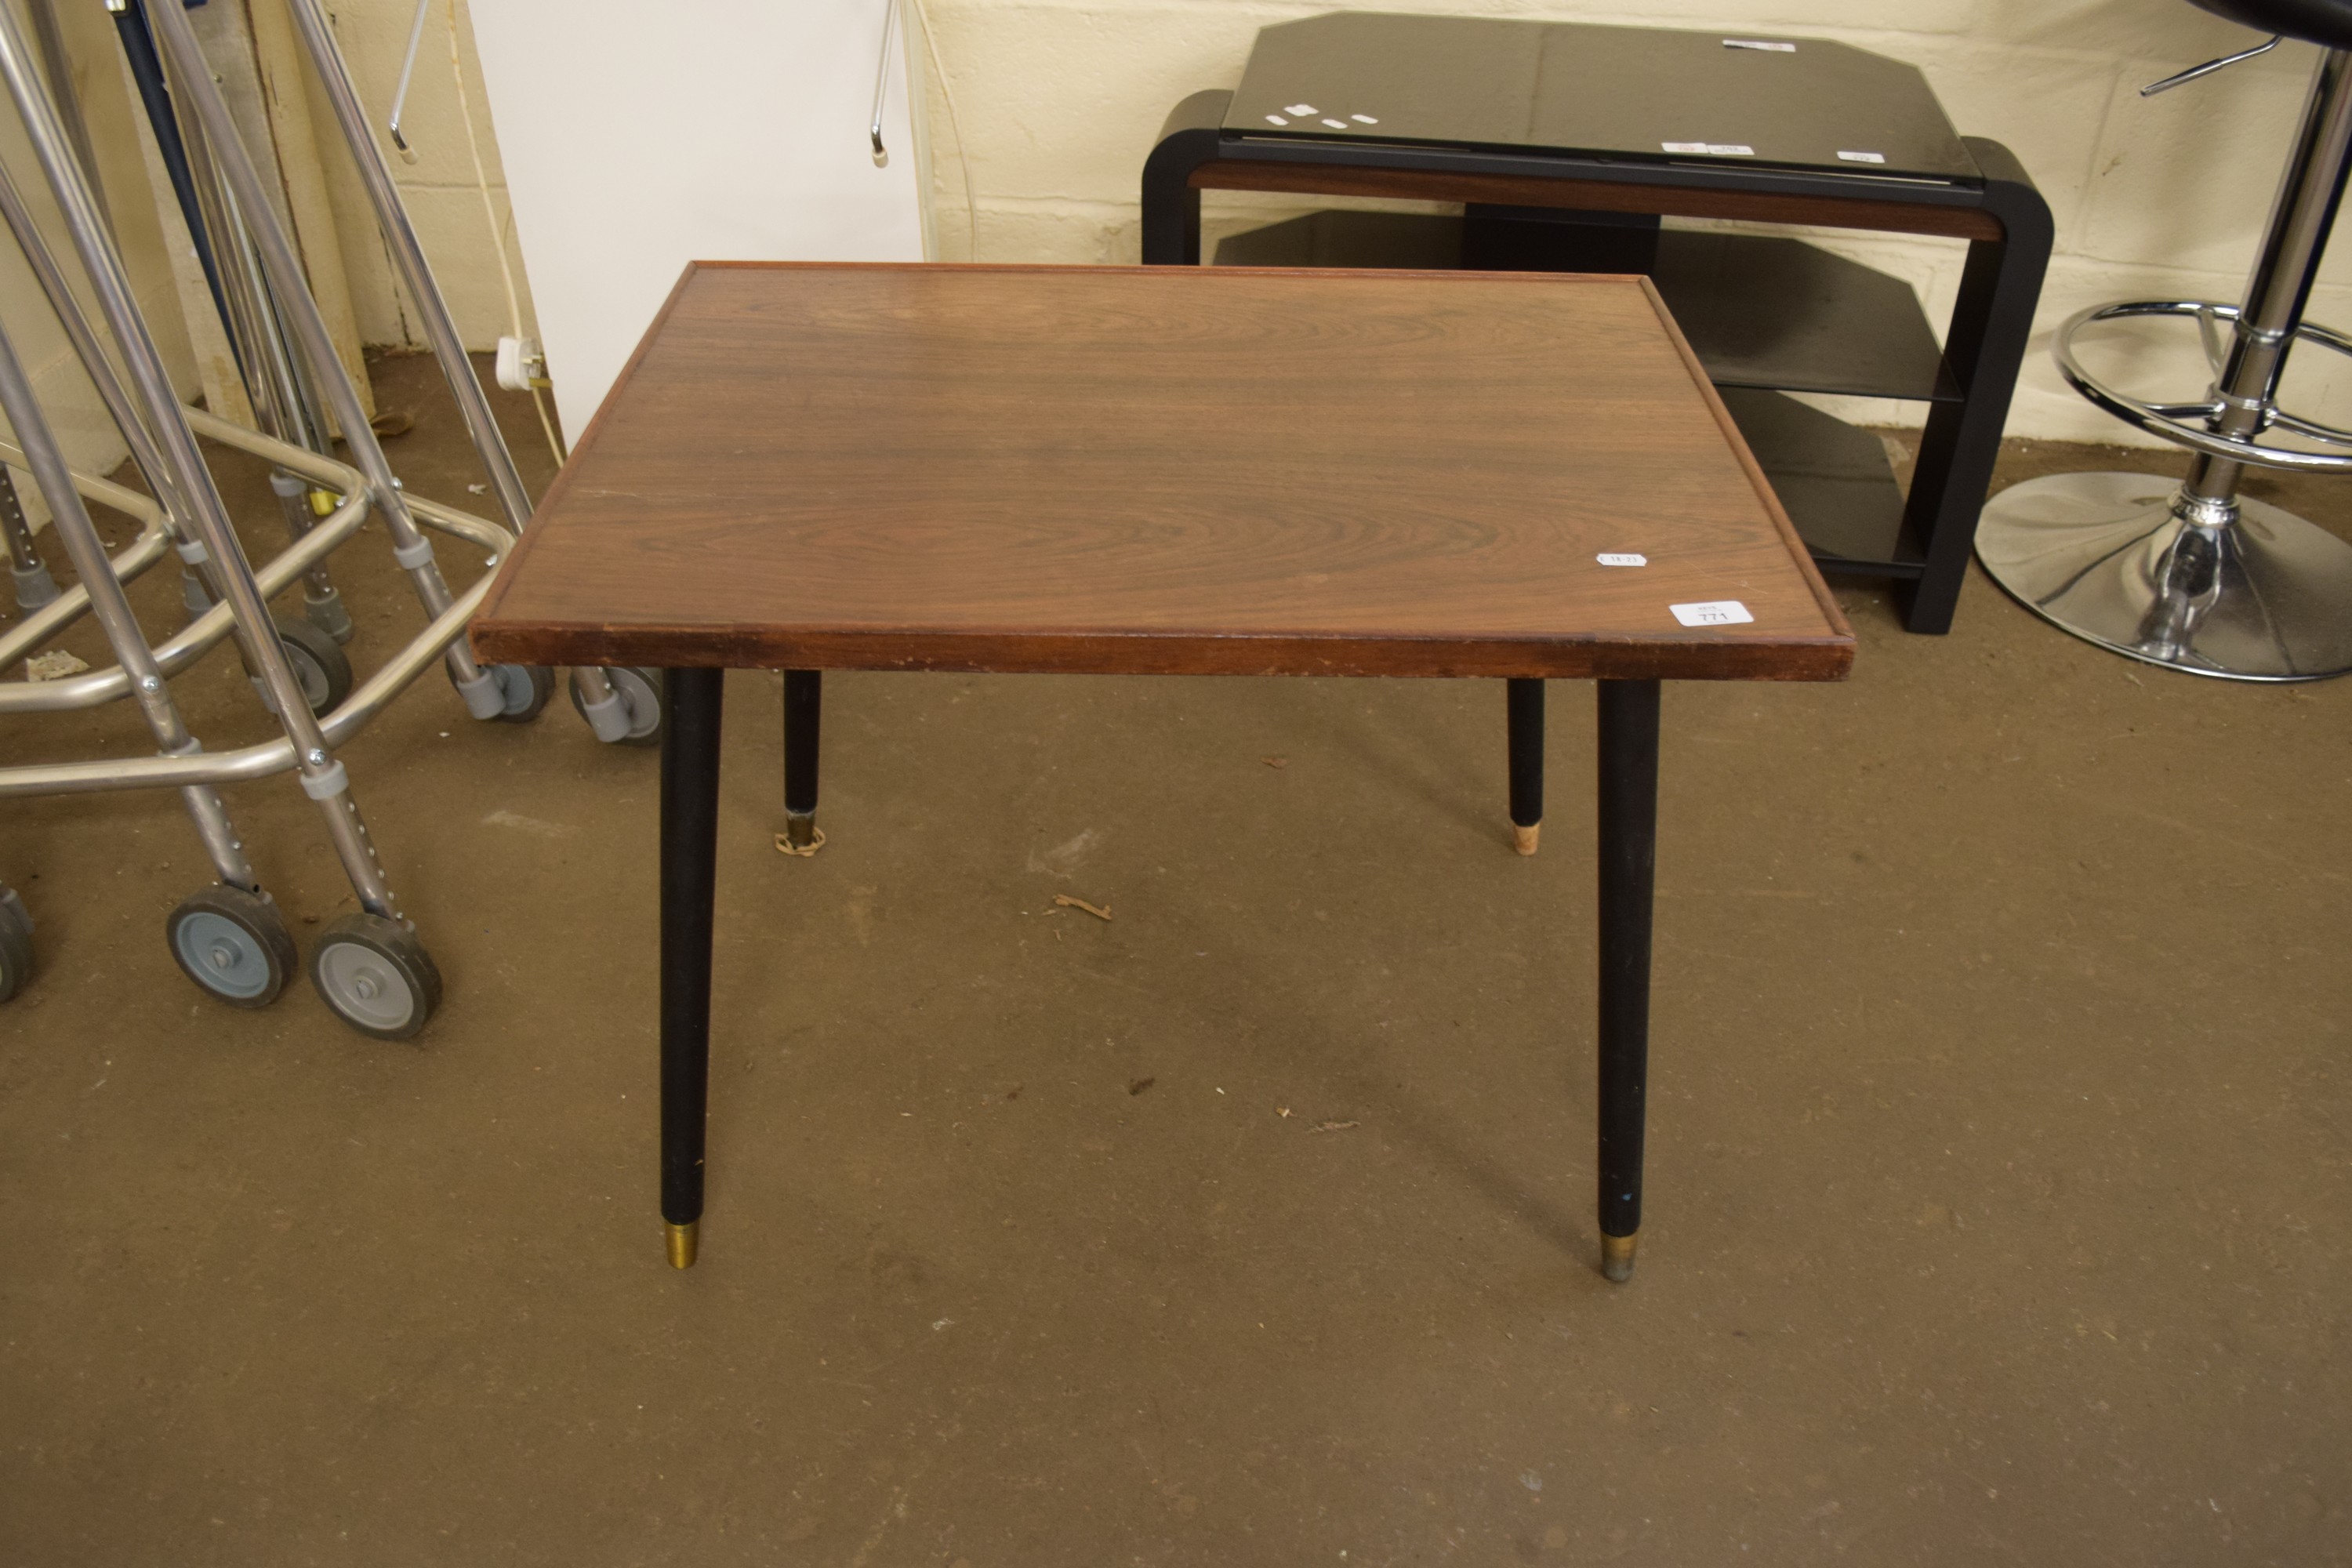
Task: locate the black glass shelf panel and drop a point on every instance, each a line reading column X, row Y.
column 1643, row 94
column 1760, row 311
column 1780, row 314
column 1836, row 481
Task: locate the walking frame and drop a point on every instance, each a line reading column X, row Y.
column 370, row 967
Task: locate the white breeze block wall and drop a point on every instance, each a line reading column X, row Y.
column 440, row 189
column 1061, row 100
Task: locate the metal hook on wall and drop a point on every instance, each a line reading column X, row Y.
column 407, row 69
column 2208, row 69
column 882, row 82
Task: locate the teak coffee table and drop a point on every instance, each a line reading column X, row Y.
column 1164, row 471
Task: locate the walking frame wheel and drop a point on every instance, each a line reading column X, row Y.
column 640, row 692
column 376, row 976
column 319, row 664
column 527, row 688
column 2185, row 424
column 234, row 944
column 16, row 943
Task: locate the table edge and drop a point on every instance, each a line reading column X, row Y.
column 1030, row 651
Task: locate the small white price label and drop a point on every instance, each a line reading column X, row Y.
column 1712, row 149
column 1714, row 613
column 1622, row 557
column 1769, row 45
column 1863, row 157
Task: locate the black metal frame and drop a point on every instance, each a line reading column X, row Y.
column 1984, row 341
column 1628, row 754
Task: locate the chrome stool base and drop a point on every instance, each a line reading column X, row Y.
column 2116, row 560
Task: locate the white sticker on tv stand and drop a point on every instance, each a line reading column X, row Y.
column 1622, row 557
column 1712, row 149
column 1714, row 613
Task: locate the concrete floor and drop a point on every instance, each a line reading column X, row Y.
column 1997, row 1198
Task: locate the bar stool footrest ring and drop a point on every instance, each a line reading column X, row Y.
column 2186, row 423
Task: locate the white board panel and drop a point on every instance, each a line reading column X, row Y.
column 638, row 138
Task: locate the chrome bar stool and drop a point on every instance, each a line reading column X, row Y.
column 2192, row 575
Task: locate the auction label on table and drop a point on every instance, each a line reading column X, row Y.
column 1712, row 149
column 1622, row 557
column 1714, row 613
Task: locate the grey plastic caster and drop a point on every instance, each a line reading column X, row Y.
column 640, row 691
column 326, row 614
column 16, row 943
column 233, row 943
column 376, row 976
column 35, row 587
column 320, row 666
column 528, row 688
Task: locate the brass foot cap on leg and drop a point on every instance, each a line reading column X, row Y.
column 682, row 1238
column 801, row 836
column 1617, row 1257
column 1523, row 839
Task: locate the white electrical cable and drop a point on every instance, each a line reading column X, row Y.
column 970, row 202
column 498, row 231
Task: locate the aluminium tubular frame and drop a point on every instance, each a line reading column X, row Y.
column 189, row 515
column 602, row 700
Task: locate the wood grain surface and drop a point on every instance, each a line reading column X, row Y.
column 1161, row 471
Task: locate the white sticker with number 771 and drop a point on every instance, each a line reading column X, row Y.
column 1714, row 613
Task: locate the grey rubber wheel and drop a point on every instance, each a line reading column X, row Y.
column 528, row 688
column 320, row 665
column 376, row 976
column 16, row 943
column 233, row 943
column 641, row 693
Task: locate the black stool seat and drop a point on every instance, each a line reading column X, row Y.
column 2327, row 23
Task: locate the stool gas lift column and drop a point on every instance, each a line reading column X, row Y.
column 2194, row 576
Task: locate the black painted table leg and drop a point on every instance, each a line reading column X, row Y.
column 1525, row 700
column 1629, row 841
column 689, row 848
column 803, row 711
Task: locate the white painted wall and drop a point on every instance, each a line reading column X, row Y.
column 443, row 190
column 637, row 139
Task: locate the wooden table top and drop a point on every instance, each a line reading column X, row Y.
column 1167, row 470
